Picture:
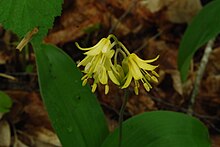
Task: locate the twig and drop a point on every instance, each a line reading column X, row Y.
column 26, row 39
column 200, row 73
column 7, row 76
column 123, row 16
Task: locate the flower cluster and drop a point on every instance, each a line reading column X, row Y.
column 99, row 66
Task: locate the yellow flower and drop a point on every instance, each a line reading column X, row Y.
column 140, row 70
column 98, row 64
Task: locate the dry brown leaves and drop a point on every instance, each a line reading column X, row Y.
column 27, row 123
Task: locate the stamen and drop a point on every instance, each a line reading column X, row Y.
column 106, row 89
column 94, row 86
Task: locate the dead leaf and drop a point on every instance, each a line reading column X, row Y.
column 45, row 136
column 215, row 141
column 139, row 104
column 156, row 5
column 177, row 85
column 5, row 134
column 212, row 84
column 18, row 143
column 183, row 11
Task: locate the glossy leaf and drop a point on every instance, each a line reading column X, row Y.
column 161, row 129
column 74, row 111
column 205, row 26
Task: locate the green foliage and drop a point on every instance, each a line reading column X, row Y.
column 205, row 26
column 5, row 102
column 21, row 16
column 75, row 112
column 161, row 129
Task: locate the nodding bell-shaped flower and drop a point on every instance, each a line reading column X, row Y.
column 139, row 69
column 98, row 64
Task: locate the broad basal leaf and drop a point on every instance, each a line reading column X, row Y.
column 74, row 111
column 205, row 25
column 5, row 102
column 161, row 129
column 21, row 16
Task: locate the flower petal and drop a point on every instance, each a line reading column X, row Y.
column 103, row 78
column 146, row 66
column 85, row 61
column 143, row 63
column 113, row 77
column 104, row 44
column 93, row 47
column 135, row 70
column 135, row 57
column 128, row 81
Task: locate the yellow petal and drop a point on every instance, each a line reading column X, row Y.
column 110, row 53
column 104, row 45
column 135, row 57
column 94, row 52
column 87, row 67
column 146, row 66
column 128, row 80
column 113, row 77
column 135, row 70
column 107, row 46
column 85, row 61
column 120, row 71
column 103, row 78
column 91, row 48
column 143, row 63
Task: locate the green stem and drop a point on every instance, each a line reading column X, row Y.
column 121, row 114
column 124, row 48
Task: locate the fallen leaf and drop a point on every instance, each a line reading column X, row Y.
column 177, row 84
column 45, row 136
column 18, row 143
column 176, row 11
column 5, row 134
column 183, row 11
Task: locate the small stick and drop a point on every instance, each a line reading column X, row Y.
column 26, row 39
column 7, row 76
column 200, row 74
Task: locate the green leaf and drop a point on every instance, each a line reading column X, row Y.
column 5, row 102
column 205, row 26
column 161, row 129
column 74, row 111
column 21, row 16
